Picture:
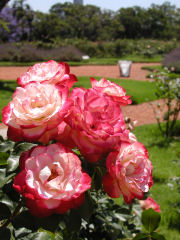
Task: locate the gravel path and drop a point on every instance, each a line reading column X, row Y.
column 142, row 113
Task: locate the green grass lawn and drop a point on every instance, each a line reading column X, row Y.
column 166, row 162
column 139, row 91
column 96, row 61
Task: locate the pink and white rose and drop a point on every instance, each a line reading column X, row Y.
column 35, row 112
column 51, row 180
column 111, row 89
column 97, row 123
column 50, row 71
column 150, row 203
column 129, row 172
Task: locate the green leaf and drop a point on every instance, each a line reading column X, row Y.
column 3, row 158
column 5, row 234
column 58, row 236
column 6, row 146
column 42, row 236
column 13, row 163
column 62, row 225
column 13, row 160
column 116, row 226
column 141, row 236
column 157, row 236
column 8, row 202
column 37, row 236
column 2, row 174
column 122, row 217
column 150, row 219
column 22, row 232
column 21, row 147
column 6, row 179
column 5, row 213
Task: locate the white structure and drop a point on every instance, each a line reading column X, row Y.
column 85, row 57
column 78, row 2
column 124, row 67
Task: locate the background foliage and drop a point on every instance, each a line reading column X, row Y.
column 66, row 20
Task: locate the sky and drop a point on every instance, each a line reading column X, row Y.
column 44, row 5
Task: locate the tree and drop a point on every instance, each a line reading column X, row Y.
column 18, row 20
column 24, row 16
column 162, row 20
column 84, row 21
column 48, row 26
column 131, row 18
column 111, row 28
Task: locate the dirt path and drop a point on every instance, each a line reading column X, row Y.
column 137, row 73
column 144, row 113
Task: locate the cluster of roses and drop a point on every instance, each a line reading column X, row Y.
column 51, row 178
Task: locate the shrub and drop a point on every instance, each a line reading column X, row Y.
column 74, row 49
column 67, row 53
column 169, row 90
column 8, row 52
column 28, row 53
column 172, row 60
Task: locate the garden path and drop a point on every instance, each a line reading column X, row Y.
column 137, row 73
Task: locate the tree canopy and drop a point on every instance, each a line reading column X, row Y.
column 66, row 20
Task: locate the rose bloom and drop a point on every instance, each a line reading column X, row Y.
column 50, row 71
column 150, row 203
column 97, row 123
column 117, row 93
column 129, row 172
column 35, row 111
column 51, row 180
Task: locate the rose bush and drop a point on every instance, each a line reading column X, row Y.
column 35, row 111
column 129, row 172
column 51, row 180
column 50, row 71
column 83, row 132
